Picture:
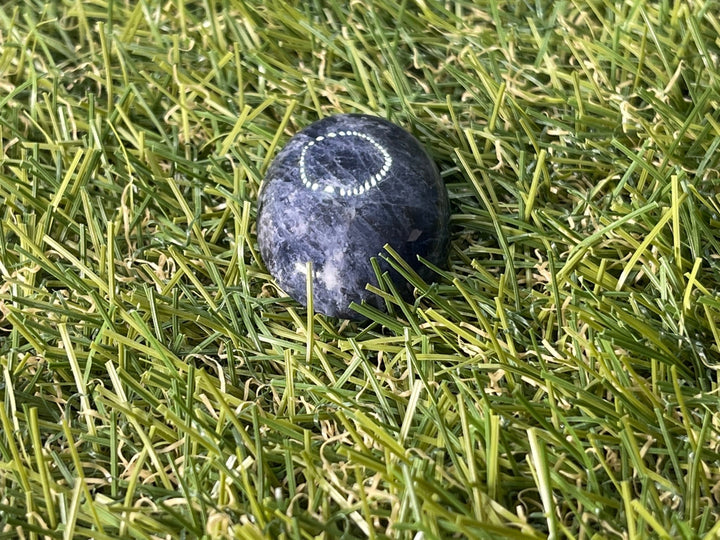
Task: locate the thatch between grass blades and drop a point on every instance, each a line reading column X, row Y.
column 558, row 380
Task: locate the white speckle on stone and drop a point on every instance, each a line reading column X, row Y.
column 329, row 189
column 301, row 268
column 330, row 277
column 299, row 227
column 315, row 186
column 331, row 274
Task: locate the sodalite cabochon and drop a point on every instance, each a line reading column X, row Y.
column 339, row 191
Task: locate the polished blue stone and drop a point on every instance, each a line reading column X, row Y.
column 339, row 191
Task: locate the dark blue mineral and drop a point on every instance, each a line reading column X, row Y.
column 339, row 191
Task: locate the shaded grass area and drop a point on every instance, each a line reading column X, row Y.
column 559, row 379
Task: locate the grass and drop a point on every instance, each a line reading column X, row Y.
column 560, row 378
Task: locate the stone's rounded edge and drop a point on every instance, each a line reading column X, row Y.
column 283, row 242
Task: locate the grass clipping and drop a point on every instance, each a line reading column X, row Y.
column 559, row 379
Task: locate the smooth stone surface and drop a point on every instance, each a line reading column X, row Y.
column 339, row 191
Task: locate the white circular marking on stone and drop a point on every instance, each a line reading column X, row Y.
column 373, row 181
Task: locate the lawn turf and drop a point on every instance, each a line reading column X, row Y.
column 560, row 377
